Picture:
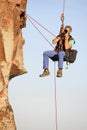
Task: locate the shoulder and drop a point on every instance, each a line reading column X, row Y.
column 71, row 39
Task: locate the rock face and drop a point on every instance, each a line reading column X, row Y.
column 12, row 20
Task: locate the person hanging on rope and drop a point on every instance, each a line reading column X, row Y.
column 64, row 43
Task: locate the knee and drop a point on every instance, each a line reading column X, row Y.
column 61, row 54
column 45, row 53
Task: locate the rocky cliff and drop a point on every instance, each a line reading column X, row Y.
column 12, row 20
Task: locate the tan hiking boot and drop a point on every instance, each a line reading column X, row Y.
column 45, row 73
column 59, row 73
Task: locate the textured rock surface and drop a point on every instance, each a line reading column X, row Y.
column 12, row 20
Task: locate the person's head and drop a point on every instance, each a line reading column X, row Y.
column 68, row 29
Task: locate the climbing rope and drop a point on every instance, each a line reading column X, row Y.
column 39, row 31
column 62, row 15
column 55, row 92
column 55, row 98
column 63, row 6
column 55, row 95
column 40, row 25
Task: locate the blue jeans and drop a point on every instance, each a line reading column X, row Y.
column 51, row 53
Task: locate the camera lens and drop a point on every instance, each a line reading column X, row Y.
column 65, row 31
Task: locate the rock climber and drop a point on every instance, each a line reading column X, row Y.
column 64, row 42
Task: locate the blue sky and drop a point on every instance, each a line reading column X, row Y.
column 32, row 97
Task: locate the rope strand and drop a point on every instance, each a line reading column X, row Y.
column 55, row 95
column 40, row 32
column 63, row 6
column 55, row 92
column 41, row 25
column 55, row 98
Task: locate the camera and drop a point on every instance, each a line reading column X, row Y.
column 65, row 31
column 62, row 35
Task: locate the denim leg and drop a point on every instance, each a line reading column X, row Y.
column 61, row 55
column 46, row 56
